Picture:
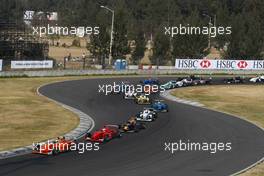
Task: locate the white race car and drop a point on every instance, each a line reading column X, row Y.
column 130, row 94
column 179, row 83
column 187, row 81
column 257, row 79
column 147, row 115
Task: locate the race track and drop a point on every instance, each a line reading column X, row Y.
column 142, row 154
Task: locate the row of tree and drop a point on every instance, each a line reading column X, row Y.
column 142, row 20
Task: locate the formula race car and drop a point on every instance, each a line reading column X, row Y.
column 257, row 79
column 172, row 84
column 132, row 125
column 53, row 147
column 103, row 135
column 121, row 87
column 234, row 80
column 160, row 106
column 130, row 94
column 150, row 81
column 187, row 81
column 142, row 99
column 147, row 115
column 201, row 81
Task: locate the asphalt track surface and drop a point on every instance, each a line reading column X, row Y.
column 142, row 154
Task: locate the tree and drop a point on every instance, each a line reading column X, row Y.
column 140, row 43
column 191, row 45
column 247, row 37
column 99, row 44
column 246, row 18
column 161, row 49
column 120, row 46
column 224, row 20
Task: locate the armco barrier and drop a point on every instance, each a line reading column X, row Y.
column 147, row 67
column 115, row 72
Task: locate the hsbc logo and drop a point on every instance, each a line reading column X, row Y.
column 218, row 64
column 242, row 64
column 205, row 64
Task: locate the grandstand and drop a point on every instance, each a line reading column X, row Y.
column 18, row 43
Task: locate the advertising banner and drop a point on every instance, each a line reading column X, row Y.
column 1, row 65
column 31, row 64
column 30, row 15
column 202, row 64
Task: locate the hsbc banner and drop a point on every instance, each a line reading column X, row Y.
column 31, row 64
column 1, row 65
column 219, row 64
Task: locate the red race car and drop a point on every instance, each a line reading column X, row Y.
column 105, row 134
column 53, row 147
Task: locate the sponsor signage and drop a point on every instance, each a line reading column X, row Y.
column 219, row 64
column 31, row 64
column 1, row 65
column 30, row 15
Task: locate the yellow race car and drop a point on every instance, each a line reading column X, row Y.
column 142, row 99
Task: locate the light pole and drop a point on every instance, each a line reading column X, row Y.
column 209, row 34
column 112, row 33
column 214, row 20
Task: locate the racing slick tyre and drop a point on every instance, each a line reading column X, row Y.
column 88, row 135
column 155, row 116
column 55, row 152
column 106, row 139
column 166, row 110
column 153, row 119
column 146, row 102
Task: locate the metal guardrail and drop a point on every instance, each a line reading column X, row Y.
column 54, row 73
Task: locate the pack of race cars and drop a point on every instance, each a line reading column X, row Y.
column 134, row 123
column 188, row 81
column 109, row 132
column 138, row 121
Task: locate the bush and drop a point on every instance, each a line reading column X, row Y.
column 76, row 42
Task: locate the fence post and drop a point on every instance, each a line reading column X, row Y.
column 84, row 61
column 64, row 63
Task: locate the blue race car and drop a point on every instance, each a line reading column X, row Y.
column 150, row 81
column 160, row 106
